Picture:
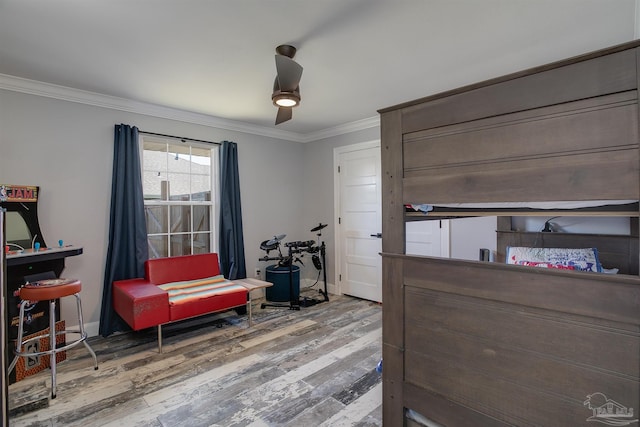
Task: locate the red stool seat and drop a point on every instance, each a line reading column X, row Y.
column 50, row 290
column 45, row 290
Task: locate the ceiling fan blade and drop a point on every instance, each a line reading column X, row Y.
column 289, row 73
column 283, row 115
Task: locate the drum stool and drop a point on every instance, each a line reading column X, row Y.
column 51, row 290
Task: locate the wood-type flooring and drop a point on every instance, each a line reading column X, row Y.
column 313, row 367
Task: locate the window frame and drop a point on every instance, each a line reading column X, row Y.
column 213, row 203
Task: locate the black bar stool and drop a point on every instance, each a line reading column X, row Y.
column 51, row 290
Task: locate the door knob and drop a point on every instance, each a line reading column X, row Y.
column 378, row 235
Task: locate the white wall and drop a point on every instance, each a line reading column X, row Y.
column 66, row 148
column 469, row 235
column 318, row 198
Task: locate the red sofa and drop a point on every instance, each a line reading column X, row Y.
column 192, row 286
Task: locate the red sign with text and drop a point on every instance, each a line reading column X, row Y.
column 18, row 193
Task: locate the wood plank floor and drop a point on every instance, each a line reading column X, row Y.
column 313, row 367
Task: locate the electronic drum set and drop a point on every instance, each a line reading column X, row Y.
column 295, row 252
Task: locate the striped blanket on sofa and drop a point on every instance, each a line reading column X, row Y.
column 181, row 292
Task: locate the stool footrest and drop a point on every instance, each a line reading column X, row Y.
column 67, row 346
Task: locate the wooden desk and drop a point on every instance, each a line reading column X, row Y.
column 252, row 284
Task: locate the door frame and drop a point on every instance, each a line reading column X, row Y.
column 337, row 151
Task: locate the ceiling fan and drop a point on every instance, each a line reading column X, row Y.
column 286, row 89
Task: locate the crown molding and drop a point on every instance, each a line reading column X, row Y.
column 34, row 87
column 355, row 126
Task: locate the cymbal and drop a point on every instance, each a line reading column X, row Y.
column 266, row 246
column 319, row 227
column 276, row 239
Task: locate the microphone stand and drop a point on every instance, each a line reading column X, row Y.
column 325, row 294
column 323, row 254
column 294, row 303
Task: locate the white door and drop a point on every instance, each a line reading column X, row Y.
column 430, row 238
column 359, row 221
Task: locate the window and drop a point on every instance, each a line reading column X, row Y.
column 179, row 182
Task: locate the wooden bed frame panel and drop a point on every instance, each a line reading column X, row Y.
column 565, row 81
column 470, row 343
column 533, row 151
column 495, row 343
column 509, row 134
column 548, row 179
column 392, row 325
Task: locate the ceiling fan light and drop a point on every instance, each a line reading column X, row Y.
column 286, row 100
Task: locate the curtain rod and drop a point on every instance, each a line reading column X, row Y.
column 178, row 137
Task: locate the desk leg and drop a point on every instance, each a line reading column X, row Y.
column 249, row 309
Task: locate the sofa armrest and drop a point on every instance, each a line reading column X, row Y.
column 141, row 304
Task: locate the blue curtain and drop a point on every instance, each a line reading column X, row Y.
column 127, row 249
column 231, row 252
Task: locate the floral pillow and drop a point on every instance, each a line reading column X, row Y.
column 581, row 259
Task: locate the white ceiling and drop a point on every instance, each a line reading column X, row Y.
column 216, row 57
